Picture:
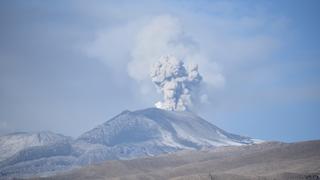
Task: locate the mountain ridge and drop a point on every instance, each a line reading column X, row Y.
column 128, row 135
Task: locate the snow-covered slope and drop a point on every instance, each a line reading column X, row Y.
column 154, row 131
column 129, row 135
column 27, row 154
column 10, row 144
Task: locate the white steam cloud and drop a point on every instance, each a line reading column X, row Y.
column 139, row 45
column 175, row 83
column 161, row 36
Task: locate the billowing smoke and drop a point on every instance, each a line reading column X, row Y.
column 138, row 46
column 176, row 83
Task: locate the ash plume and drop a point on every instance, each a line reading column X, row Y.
column 175, row 82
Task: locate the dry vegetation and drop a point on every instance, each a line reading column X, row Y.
column 265, row 161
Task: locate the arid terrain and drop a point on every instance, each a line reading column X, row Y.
column 269, row 160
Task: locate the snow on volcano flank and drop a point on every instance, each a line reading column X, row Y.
column 175, row 82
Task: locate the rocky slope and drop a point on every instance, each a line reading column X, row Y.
column 265, row 161
column 129, row 135
column 153, row 131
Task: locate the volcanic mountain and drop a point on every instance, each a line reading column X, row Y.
column 154, row 131
column 129, row 135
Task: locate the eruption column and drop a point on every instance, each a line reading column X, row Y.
column 175, row 82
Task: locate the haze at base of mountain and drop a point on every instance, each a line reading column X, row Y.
column 267, row 161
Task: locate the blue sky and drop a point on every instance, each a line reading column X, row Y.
column 67, row 66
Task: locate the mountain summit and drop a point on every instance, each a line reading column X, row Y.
column 154, row 131
column 129, row 135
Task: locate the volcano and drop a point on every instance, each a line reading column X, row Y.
column 129, row 135
column 154, row 131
